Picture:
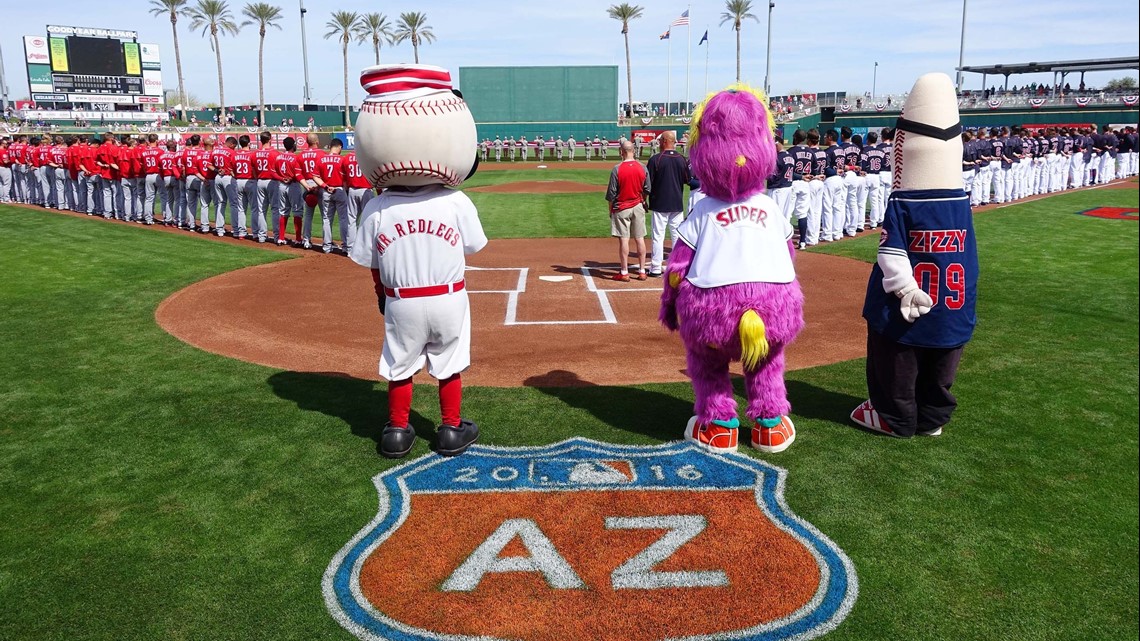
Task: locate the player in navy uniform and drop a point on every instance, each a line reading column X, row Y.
column 873, row 160
column 920, row 306
column 853, row 217
column 779, row 186
column 969, row 151
column 834, row 189
column 801, row 189
column 819, row 174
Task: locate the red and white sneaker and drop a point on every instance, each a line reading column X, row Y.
column 866, row 416
column 718, row 436
column 774, row 439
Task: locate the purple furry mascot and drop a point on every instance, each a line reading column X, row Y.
column 731, row 286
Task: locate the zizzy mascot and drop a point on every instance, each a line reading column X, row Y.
column 923, row 287
column 730, row 285
column 415, row 138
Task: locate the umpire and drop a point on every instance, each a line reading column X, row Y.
column 668, row 175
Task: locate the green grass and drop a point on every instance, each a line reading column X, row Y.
column 153, row 491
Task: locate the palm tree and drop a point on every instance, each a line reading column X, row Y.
column 214, row 17
column 413, row 26
column 626, row 12
column 341, row 27
column 736, row 11
column 264, row 15
column 173, row 8
column 374, row 27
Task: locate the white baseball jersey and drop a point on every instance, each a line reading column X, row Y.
column 738, row 242
column 418, row 239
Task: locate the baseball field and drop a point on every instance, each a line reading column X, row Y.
column 150, row 489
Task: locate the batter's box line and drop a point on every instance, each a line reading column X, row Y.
column 511, row 319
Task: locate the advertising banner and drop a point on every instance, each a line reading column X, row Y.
column 58, row 55
column 148, row 54
column 152, row 83
column 39, row 78
column 131, row 55
column 36, row 50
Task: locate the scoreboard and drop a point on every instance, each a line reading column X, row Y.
column 101, row 67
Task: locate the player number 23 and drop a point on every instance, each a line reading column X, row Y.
column 932, row 280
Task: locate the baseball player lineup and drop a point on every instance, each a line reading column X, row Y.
column 249, row 188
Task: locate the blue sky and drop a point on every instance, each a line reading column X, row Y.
column 833, row 48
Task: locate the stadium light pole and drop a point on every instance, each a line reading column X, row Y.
column 874, row 81
column 3, row 86
column 768, row 62
column 961, row 48
column 308, row 97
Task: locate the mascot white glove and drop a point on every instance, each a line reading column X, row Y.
column 913, row 302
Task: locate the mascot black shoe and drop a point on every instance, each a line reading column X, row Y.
column 396, row 442
column 454, row 440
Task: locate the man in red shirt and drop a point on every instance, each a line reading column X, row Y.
column 106, row 160
column 333, row 197
column 19, row 168
column 289, row 193
column 626, row 194
column 243, row 188
column 265, row 173
column 310, row 161
column 209, row 174
column 39, row 163
column 128, row 180
column 71, row 161
column 170, row 173
column 149, row 155
column 358, row 193
column 222, row 159
column 5, row 172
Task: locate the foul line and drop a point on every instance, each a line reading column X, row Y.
column 511, row 318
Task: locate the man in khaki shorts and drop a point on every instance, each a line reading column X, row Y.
column 629, row 186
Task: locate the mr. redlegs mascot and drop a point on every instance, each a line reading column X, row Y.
column 415, row 139
column 921, row 295
column 730, row 284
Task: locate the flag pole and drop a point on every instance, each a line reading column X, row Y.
column 669, row 72
column 706, row 62
column 689, row 55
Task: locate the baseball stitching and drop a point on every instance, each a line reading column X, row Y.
column 415, row 107
column 897, row 161
column 382, row 174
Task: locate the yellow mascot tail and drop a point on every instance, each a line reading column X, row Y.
column 753, row 341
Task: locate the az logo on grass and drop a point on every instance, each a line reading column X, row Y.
column 587, row 541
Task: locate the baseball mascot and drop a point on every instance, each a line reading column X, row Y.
column 730, row 286
column 921, row 295
column 415, row 139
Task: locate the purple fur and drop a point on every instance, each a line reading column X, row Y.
column 709, row 320
column 734, row 124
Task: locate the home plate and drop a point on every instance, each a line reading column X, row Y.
column 556, row 279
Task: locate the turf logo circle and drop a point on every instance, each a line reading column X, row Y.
column 1112, row 213
column 587, row 540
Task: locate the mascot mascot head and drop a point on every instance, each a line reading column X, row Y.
column 413, row 128
column 928, row 137
column 731, row 148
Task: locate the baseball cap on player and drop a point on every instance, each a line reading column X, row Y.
column 928, row 146
column 311, row 198
column 413, row 129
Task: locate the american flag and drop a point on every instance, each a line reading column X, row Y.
column 664, row 36
column 683, row 21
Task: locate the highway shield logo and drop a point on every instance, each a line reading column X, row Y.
column 587, row 540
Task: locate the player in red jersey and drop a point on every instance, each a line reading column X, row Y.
column 334, row 200
column 243, row 186
column 57, row 173
column 222, row 160
column 194, row 179
column 206, row 194
column 5, row 172
column 19, row 168
column 149, row 155
column 71, row 162
column 358, row 192
column 40, row 158
column 169, row 174
column 289, row 192
column 267, row 186
column 310, row 160
column 129, row 180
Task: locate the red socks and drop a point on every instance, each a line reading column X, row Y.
column 450, row 398
column 296, row 228
column 400, row 401
column 281, row 222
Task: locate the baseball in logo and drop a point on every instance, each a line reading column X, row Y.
column 586, row 540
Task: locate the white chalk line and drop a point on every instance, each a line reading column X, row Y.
column 511, row 317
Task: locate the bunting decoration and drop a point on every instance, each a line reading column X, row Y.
column 686, row 120
column 844, row 107
column 1082, row 101
column 251, row 130
column 1036, row 102
column 880, row 106
column 646, row 121
column 1130, row 100
column 182, row 130
column 995, row 103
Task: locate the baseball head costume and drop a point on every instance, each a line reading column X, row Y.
column 414, row 139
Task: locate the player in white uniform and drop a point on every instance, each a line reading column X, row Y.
column 414, row 237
